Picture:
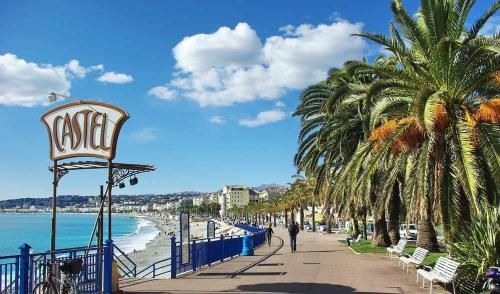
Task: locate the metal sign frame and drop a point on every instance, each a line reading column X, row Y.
column 211, row 229
column 185, row 237
column 117, row 172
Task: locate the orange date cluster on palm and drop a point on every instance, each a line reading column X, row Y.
column 488, row 112
column 410, row 135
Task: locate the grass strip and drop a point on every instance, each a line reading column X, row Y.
column 364, row 246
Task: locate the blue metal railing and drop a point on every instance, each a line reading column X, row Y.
column 156, row 270
column 89, row 279
column 9, row 274
column 126, row 266
column 19, row 274
column 204, row 252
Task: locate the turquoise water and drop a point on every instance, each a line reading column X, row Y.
column 73, row 230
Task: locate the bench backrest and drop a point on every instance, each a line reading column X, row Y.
column 446, row 268
column 401, row 245
column 419, row 254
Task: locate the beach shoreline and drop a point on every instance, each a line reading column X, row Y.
column 158, row 248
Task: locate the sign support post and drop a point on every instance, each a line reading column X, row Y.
column 110, row 185
column 54, row 207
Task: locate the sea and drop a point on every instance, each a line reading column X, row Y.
column 73, row 230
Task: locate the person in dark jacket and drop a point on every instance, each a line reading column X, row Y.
column 293, row 230
column 269, row 234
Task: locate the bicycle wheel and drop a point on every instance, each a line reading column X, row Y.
column 44, row 288
column 70, row 287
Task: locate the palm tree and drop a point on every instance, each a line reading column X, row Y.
column 335, row 121
column 436, row 113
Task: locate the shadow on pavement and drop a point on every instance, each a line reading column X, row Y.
column 299, row 288
column 315, row 251
column 244, row 274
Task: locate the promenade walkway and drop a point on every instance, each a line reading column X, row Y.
column 320, row 265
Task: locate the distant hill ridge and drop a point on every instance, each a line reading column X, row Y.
column 269, row 186
column 70, row 200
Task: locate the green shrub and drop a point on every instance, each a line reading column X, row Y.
column 478, row 245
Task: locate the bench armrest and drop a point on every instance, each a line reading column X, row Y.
column 427, row 268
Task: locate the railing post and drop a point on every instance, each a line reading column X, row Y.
column 222, row 247
column 208, row 252
column 173, row 258
column 108, row 267
column 193, row 256
column 24, row 264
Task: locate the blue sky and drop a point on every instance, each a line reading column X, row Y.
column 209, row 85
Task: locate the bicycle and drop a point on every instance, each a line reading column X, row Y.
column 69, row 271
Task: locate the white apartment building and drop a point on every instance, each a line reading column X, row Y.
column 202, row 199
column 236, row 195
column 233, row 196
column 263, row 195
column 214, row 197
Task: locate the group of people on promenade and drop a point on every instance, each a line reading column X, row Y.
column 293, row 231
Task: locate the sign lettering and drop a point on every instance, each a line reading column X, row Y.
column 84, row 129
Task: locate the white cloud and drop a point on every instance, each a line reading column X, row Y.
column 492, row 26
column 224, row 48
column 27, row 83
column 145, row 135
column 264, row 117
column 115, row 78
column 280, row 104
column 233, row 65
column 79, row 71
column 287, row 30
column 163, row 93
column 217, row 119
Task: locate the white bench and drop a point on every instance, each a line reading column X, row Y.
column 398, row 249
column 351, row 241
column 417, row 258
column 444, row 271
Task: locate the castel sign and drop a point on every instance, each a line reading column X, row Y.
column 84, row 129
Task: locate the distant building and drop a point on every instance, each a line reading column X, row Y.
column 184, row 201
column 202, row 199
column 263, row 195
column 254, row 196
column 236, row 195
column 214, row 197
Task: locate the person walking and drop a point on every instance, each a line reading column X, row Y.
column 269, row 234
column 293, row 231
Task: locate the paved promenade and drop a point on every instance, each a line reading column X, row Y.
column 320, row 265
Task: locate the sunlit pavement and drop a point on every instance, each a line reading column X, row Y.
column 320, row 265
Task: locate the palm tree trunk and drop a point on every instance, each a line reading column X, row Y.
column 314, row 219
column 301, row 218
column 327, row 217
column 363, row 215
column 426, row 237
column 393, row 224
column 274, row 219
column 380, row 235
column 355, row 227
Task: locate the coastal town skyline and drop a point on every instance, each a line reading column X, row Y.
column 196, row 115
